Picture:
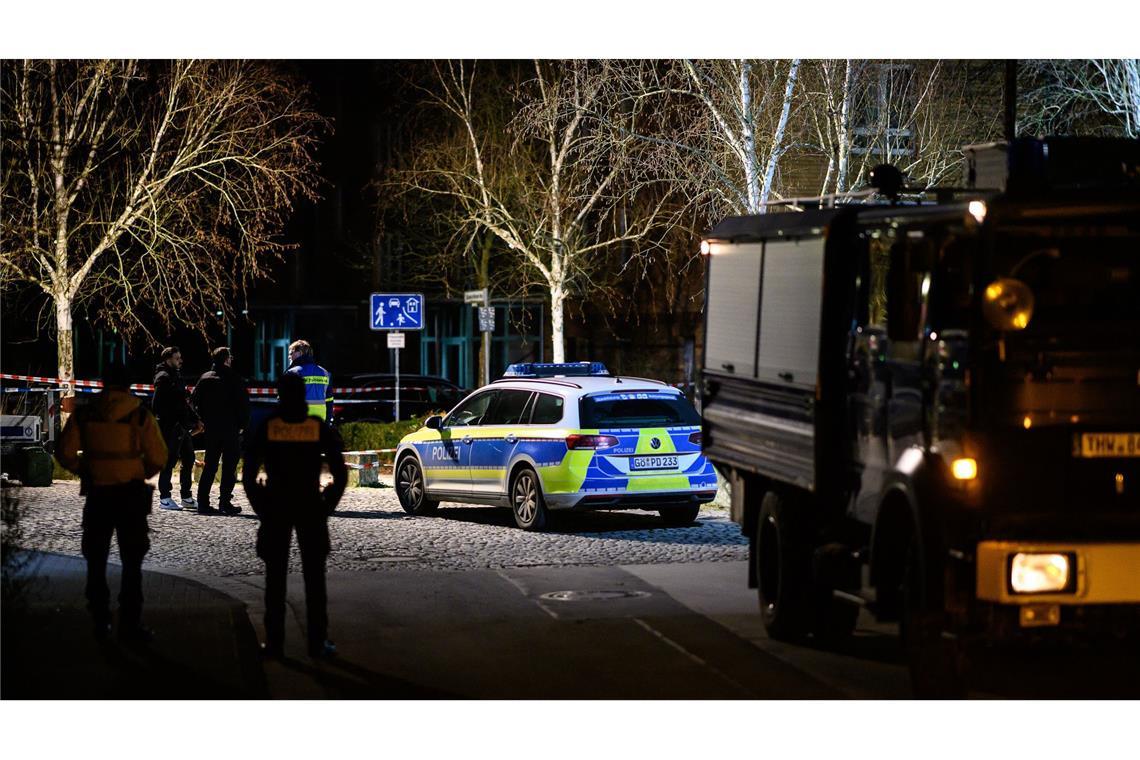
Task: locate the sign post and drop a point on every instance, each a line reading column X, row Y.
column 394, row 313
column 482, row 299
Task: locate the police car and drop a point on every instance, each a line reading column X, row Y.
column 560, row 437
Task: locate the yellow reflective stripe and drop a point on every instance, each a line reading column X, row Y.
column 315, row 379
column 659, row 483
column 318, row 410
column 569, row 475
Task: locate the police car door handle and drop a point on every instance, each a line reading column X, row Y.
column 467, row 439
column 511, row 438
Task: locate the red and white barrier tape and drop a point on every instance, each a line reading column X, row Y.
column 253, row 391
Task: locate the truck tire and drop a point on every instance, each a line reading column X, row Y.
column 782, row 554
column 936, row 663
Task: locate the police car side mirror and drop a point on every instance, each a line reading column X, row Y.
column 435, row 422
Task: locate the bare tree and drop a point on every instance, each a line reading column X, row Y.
column 1095, row 96
column 728, row 127
column 915, row 114
column 148, row 190
column 547, row 176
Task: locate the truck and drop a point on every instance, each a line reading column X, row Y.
column 927, row 404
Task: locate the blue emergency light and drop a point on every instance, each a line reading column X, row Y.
column 563, row 369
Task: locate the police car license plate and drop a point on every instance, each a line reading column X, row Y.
column 1093, row 445
column 653, row 463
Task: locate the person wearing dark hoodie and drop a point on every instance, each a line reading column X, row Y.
column 178, row 423
column 291, row 444
column 121, row 447
column 222, row 402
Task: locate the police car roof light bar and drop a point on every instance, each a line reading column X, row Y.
column 561, row 369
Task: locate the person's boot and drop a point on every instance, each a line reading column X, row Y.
column 229, row 508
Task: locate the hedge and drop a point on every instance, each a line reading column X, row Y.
column 369, row 436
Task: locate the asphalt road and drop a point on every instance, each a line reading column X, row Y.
column 605, row 606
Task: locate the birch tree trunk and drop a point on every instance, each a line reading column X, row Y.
column 778, row 138
column 557, row 331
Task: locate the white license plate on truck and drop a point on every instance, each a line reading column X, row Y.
column 1096, row 445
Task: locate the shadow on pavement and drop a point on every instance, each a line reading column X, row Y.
column 580, row 523
column 344, row 680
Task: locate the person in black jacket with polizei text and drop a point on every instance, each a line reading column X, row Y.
column 178, row 423
column 222, row 402
column 292, row 444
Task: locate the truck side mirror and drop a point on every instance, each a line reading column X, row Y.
column 903, row 297
column 434, row 422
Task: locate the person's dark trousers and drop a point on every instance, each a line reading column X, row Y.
column 178, row 443
column 273, row 538
column 121, row 510
column 227, row 448
column 313, row 541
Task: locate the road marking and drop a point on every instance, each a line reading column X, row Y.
column 522, row 590
column 695, row 658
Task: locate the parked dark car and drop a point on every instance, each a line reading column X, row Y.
column 419, row 395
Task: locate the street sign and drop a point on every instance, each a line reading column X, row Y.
column 396, row 339
column 397, row 311
column 475, row 296
column 487, row 319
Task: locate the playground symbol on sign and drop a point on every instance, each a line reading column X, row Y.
column 397, row 311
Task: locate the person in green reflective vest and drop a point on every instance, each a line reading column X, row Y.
column 318, row 394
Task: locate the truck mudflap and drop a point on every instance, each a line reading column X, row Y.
column 1040, row 574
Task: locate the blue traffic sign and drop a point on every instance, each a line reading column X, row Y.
column 397, row 311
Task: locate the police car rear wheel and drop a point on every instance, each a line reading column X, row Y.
column 410, row 489
column 680, row 516
column 527, row 503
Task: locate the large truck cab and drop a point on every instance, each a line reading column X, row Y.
column 935, row 411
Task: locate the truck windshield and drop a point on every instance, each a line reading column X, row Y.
column 637, row 410
column 1085, row 283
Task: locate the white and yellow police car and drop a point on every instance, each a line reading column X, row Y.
column 561, row 437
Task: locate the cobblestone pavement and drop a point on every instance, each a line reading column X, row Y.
column 371, row 532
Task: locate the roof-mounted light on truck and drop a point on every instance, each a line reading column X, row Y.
column 977, row 210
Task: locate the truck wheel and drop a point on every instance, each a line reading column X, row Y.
column 527, row 503
column 410, row 488
column 783, row 570
column 937, row 664
column 678, row 516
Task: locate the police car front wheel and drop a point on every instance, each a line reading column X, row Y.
column 527, row 503
column 410, row 488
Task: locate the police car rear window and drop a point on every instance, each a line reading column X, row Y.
column 635, row 410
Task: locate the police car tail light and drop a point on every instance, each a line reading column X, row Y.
column 696, row 438
column 590, row 441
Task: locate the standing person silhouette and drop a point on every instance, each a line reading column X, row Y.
column 222, row 401
column 178, row 423
column 122, row 447
column 291, row 444
column 317, row 378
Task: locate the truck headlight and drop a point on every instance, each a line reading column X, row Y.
column 1041, row 573
column 964, row 468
